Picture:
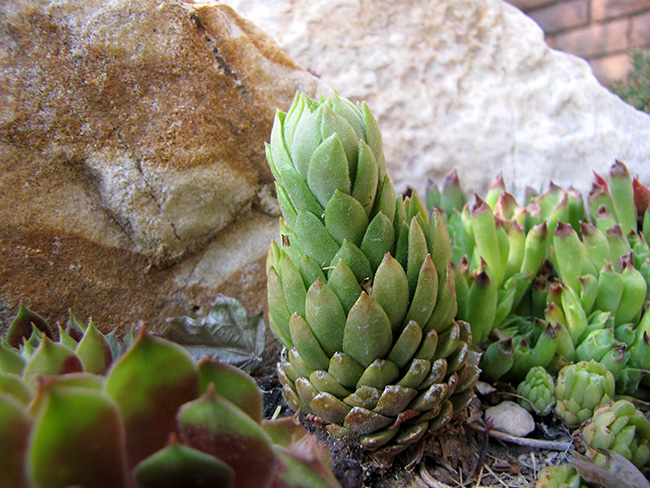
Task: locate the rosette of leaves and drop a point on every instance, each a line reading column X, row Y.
column 360, row 289
column 539, row 389
column 619, row 427
column 580, row 388
column 151, row 417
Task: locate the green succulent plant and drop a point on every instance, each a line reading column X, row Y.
column 360, row 290
column 539, row 389
column 580, row 388
column 619, row 427
column 556, row 281
column 559, row 476
column 72, row 414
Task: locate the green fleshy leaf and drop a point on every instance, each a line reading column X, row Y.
column 391, row 290
column 306, row 138
column 314, row 238
column 15, row 426
column 406, row 344
column 178, row 465
column 78, row 439
column 364, row 188
column 385, row 199
column 328, row 170
column 216, row 426
column 374, row 139
column 325, row 316
column 51, row 359
column 344, row 283
column 293, row 287
column 149, row 383
column 355, row 259
column 22, row 326
column 368, row 333
column 332, row 123
column 378, row 239
column 308, row 347
column 225, row 333
column 94, row 351
column 232, row 384
column 426, row 293
column 345, row 218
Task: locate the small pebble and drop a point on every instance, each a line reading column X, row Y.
column 510, row 418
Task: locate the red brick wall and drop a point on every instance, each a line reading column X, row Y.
column 601, row 31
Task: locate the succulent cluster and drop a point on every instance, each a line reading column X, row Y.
column 621, row 428
column 558, row 280
column 360, row 290
column 74, row 412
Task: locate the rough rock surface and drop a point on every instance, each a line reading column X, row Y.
column 466, row 84
column 510, row 418
column 133, row 183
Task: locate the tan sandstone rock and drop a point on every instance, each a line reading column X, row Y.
column 133, row 182
column 466, row 84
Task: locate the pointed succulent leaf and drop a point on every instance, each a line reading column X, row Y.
column 355, row 259
column 178, row 465
column 406, row 344
column 218, row 427
column 232, row 384
column 307, row 346
column 417, row 253
column 328, row 170
column 293, row 287
column 306, row 138
column 22, row 326
column 391, row 290
column 94, row 351
column 78, row 439
column 297, row 469
column 345, row 369
column 51, row 359
column 149, row 383
column 385, row 200
column 364, row 188
column 426, row 293
column 380, row 373
column 343, row 283
column 11, row 360
column 314, row 238
column 378, row 239
column 325, row 316
column 446, row 305
column 368, row 333
column 345, row 218
column 325, row 382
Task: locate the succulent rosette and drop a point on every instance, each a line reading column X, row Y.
column 73, row 413
column 580, row 388
column 619, row 427
column 539, row 389
column 360, row 289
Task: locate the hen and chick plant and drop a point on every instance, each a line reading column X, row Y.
column 360, row 288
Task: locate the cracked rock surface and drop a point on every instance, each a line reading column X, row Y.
column 133, row 182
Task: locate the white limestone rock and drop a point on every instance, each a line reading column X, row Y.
column 466, row 84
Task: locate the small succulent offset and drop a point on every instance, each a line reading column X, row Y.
column 580, row 388
column 539, row 389
column 74, row 413
column 360, row 289
column 619, row 427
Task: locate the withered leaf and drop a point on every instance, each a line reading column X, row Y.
column 226, row 333
column 617, row 472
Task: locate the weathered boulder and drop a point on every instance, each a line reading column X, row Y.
column 133, row 182
column 467, row 84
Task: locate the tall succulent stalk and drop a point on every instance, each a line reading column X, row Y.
column 360, row 288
